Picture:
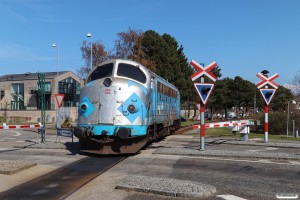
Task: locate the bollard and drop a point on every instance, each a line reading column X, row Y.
column 244, row 137
column 296, row 133
column 244, row 133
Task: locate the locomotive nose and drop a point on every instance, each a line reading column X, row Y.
column 123, row 133
column 79, row 132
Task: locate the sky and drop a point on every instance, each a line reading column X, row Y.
column 243, row 36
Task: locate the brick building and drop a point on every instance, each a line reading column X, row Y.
column 19, row 96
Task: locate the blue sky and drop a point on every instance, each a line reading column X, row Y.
column 242, row 36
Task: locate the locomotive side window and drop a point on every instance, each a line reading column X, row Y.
column 131, row 71
column 166, row 90
column 101, row 72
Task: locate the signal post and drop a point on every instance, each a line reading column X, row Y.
column 267, row 94
column 203, row 90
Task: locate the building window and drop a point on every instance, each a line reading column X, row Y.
column 71, row 89
column 48, row 87
column 17, row 96
column 2, row 94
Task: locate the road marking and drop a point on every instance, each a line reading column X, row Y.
column 271, row 148
column 230, row 197
column 17, row 133
column 254, row 150
column 9, row 138
column 20, row 141
column 7, row 149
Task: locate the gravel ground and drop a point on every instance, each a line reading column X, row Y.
column 166, row 186
column 11, row 167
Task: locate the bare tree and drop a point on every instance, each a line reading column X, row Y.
column 128, row 46
column 126, row 42
column 296, row 83
column 99, row 54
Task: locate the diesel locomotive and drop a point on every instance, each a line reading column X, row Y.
column 123, row 106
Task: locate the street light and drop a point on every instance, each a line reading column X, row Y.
column 90, row 35
column 288, row 117
column 56, row 82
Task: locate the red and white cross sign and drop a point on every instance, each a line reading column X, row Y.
column 203, row 70
column 267, row 80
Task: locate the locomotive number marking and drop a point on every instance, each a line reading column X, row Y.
column 107, row 91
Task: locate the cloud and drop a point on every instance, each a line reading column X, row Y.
column 19, row 52
column 29, row 11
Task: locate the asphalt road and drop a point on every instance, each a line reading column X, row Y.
column 248, row 178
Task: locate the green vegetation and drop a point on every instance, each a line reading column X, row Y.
column 226, row 132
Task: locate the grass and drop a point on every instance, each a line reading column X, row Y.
column 226, row 132
column 187, row 123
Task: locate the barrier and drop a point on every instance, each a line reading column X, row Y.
column 237, row 126
column 224, row 124
column 23, row 126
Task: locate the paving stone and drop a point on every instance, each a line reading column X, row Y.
column 166, row 186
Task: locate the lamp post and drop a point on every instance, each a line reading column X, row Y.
column 90, row 36
column 288, row 116
column 56, row 82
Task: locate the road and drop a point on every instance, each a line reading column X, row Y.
column 246, row 178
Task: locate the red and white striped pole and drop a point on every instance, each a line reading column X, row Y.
column 202, row 130
column 266, row 122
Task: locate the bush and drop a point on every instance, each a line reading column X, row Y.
column 66, row 123
column 277, row 122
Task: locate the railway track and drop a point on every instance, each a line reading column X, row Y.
column 64, row 181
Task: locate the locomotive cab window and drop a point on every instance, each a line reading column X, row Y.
column 101, row 72
column 131, row 71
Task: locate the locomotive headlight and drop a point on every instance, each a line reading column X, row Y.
column 83, row 107
column 107, row 82
column 131, row 108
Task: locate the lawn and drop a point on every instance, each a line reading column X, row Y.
column 226, row 132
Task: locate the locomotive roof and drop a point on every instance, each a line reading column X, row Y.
column 134, row 62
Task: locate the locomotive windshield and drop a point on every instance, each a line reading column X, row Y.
column 101, row 72
column 131, row 71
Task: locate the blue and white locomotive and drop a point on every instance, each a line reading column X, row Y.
column 123, row 106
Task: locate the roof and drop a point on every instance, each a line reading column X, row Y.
column 29, row 76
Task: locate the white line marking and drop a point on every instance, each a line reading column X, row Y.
column 17, row 133
column 230, row 197
column 254, row 150
column 271, row 148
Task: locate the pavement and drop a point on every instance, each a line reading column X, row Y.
column 132, row 179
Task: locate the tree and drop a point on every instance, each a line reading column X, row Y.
column 222, row 96
column 126, row 44
column 170, row 61
column 243, row 93
column 99, row 54
column 281, row 98
column 296, row 83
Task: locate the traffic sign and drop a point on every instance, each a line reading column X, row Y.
column 203, row 70
column 267, row 94
column 65, row 132
column 59, row 99
column 267, row 80
column 204, row 90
